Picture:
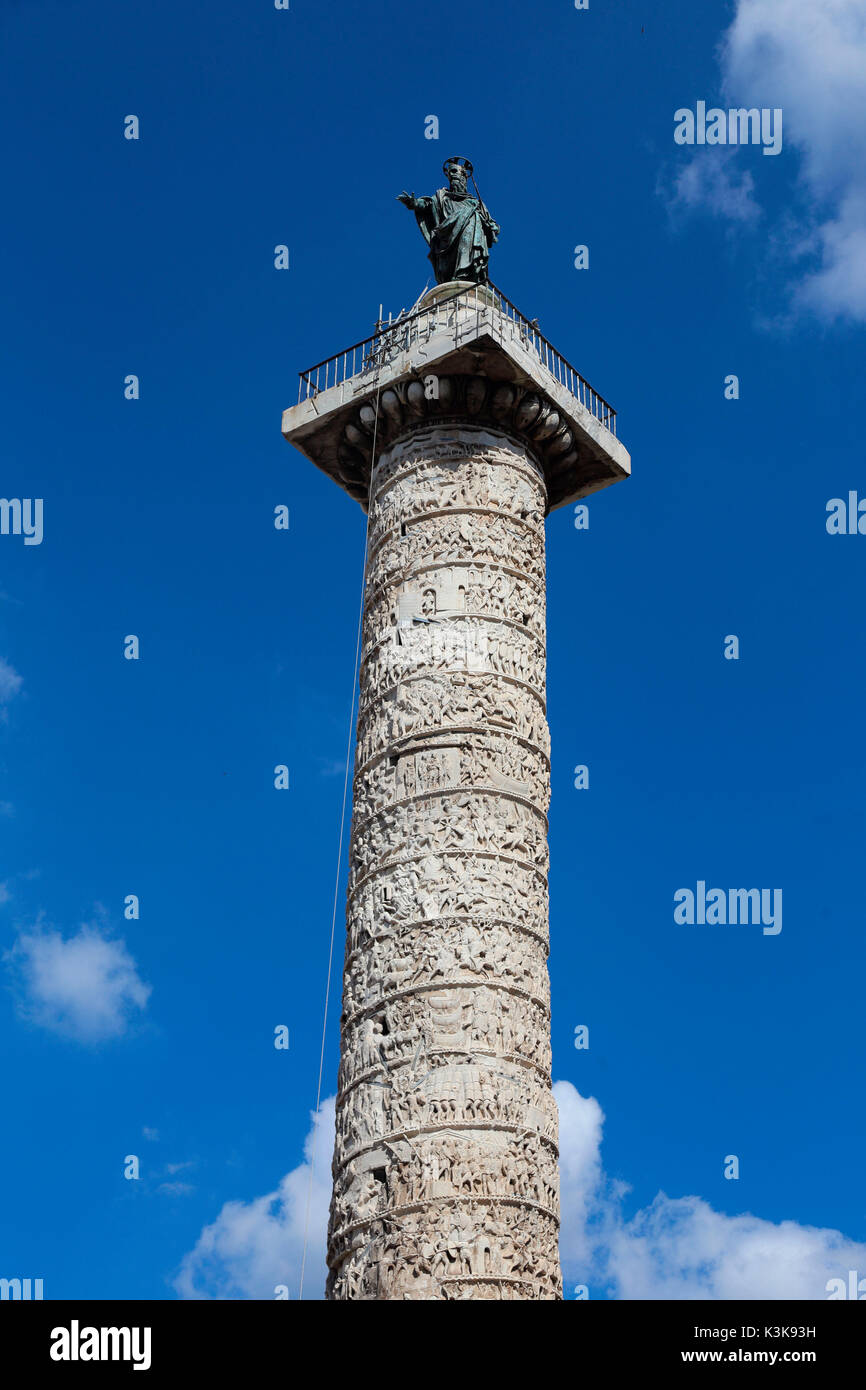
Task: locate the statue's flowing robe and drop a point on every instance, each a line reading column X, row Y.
column 459, row 231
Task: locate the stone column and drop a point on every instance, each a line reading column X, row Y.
column 445, row 1177
column 460, row 426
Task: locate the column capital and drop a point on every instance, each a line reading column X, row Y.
column 464, row 354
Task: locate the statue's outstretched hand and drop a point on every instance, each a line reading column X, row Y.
column 407, row 199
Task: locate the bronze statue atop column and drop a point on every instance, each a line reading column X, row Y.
column 456, row 225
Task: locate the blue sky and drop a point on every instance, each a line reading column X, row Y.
column 155, row 777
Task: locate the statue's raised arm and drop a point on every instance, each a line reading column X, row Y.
column 456, row 225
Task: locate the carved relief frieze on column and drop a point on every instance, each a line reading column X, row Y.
column 445, row 1167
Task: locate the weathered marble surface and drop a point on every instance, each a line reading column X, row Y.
column 445, row 1167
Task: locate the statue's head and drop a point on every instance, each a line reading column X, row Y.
column 457, row 171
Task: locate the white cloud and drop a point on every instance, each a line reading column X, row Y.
column 10, row 684
column 675, row 1248
column 683, row 1249
column 5, row 895
column 679, row 1248
column 713, row 180
column 580, row 1172
column 86, row 987
column 254, row 1246
column 809, row 59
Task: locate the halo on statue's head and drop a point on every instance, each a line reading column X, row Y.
column 465, row 164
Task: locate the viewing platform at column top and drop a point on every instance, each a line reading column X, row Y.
column 463, row 354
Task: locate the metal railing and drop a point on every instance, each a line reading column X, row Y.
column 485, row 302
